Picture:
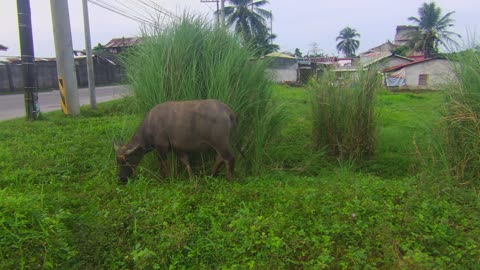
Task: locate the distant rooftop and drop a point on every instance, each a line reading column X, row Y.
column 3, row 48
column 123, row 42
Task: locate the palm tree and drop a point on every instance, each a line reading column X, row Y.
column 348, row 44
column 248, row 18
column 432, row 29
column 263, row 43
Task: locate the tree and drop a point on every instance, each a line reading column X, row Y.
column 248, row 18
column 432, row 29
column 99, row 48
column 263, row 43
column 249, row 21
column 298, row 53
column 348, row 44
column 401, row 50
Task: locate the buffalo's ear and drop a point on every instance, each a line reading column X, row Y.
column 116, row 146
column 132, row 150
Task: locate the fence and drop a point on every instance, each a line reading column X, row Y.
column 11, row 74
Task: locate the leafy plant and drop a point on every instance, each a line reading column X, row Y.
column 462, row 117
column 344, row 118
column 191, row 59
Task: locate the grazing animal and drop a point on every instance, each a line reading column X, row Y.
column 181, row 127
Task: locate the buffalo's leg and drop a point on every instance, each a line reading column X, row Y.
column 163, row 162
column 218, row 163
column 229, row 159
column 184, row 159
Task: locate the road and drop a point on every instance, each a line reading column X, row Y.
column 13, row 106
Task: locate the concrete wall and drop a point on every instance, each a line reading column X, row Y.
column 439, row 72
column 11, row 74
column 283, row 70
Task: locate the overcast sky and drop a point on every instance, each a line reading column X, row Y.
column 297, row 23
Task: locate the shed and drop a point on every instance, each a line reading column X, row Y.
column 117, row 45
column 283, row 67
column 428, row 74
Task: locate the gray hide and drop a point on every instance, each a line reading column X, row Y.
column 182, row 127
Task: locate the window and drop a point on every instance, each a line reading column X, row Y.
column 423, row 79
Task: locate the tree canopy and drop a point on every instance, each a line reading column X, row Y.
column 433, row 29
column 348, row 44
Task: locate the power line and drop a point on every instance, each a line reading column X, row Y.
column 121, row 12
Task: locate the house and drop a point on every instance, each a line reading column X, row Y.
column 425, row 74
column 383, row 48
column 404, row 34
column 383, row 60
column 283, row 67
column 117, row 45
column 3, row 48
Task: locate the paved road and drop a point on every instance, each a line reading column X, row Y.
column 13, row 106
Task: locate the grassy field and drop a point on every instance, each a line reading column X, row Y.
column 61, row 207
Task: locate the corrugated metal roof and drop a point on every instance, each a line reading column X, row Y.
column 280, row 55
column 322, row 60
column 397, row 67
column 123, row 42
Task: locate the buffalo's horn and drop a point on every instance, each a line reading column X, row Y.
column 130, row 151
column 115, row 145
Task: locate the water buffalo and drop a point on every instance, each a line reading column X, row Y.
column 181, row 127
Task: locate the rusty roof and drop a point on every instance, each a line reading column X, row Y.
column 123, row 42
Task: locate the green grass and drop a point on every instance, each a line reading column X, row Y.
column 192, row 59
column 61, row 207
column 344, row 117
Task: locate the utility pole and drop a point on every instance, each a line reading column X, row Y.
column 28, row 59
column 67, row 80
column 88, row 48
column 217, row 14
column 222, row 13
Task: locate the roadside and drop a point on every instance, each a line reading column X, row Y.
column 13, row 106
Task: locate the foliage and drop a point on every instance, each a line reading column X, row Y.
column 298, row 53
column 263, row 44
column 433, row 30
column 401, row 50
column 462, row 117
column 193, row 60
column 344, row 119
column 60, row 202
column 348, row 44
column 249, row 20
column 99, row 48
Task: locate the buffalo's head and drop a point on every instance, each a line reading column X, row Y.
column 128, row 158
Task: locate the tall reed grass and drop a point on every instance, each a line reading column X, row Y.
column 462, row 116
column 192, row 59
column 344, row 116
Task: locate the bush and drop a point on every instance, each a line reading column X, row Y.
column 191, row 59
column 343, row 109
column 462, row 117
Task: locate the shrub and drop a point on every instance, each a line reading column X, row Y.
column 462, row 117
column 191, row 59
column 343, row 110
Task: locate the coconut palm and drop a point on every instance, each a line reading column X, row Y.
column 263, row 43
column 248, row 17
column 432, row 29
column 348, row 44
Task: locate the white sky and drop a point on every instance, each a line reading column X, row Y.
column 297, row 23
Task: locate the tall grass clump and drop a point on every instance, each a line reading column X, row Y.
column 344, row 117
column 192, row 59
column 462, row 116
